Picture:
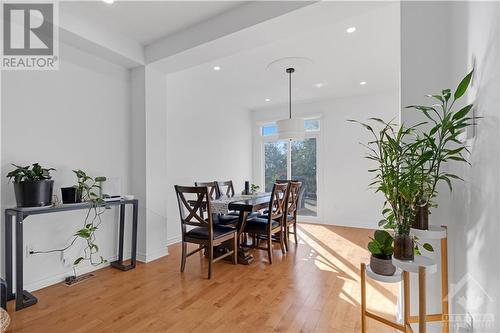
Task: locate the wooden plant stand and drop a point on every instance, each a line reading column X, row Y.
column 438, row 233
column 421, row 265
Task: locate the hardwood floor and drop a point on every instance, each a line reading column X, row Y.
column 313, row 288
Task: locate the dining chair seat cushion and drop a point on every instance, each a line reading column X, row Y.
column 224, row 219
column 250, row 215
column 202, row 232
column 259, row 224
column 265, row 216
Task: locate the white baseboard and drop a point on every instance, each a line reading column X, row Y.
column 362, row 225
column 152, row 255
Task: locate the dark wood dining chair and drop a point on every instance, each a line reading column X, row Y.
column 226, row 188
column 205, row 233
column 215, row 193
column 272, row 225
column 290, row 215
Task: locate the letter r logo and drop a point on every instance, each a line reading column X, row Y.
column 28, row 29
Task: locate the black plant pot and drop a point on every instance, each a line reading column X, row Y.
column 421, row 218
column 71, row 195
column 34, row 194
column 403, row 247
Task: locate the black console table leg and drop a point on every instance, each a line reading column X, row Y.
column 119, row 263
column 8, row 257
column 135, row 217
column 122, row 232
column 23, row 298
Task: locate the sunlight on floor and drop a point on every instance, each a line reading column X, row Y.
column 330, row 254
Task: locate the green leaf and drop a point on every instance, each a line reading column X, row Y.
column 77, row 261
column 463, row 112
column 381, row 236
column 428, row 247
column 100, row 179
column 446, row 94
column 463, row 85
column 374, row 248
column 83, row 233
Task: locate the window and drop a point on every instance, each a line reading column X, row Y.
column 276, row 162
column 304, row 169
column 268, row 130
column 294, row 160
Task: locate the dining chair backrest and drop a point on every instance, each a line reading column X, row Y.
column 278, row 201
column 299, row 195
column 293, row 198
column 191, row 199
column 213, row 189
column 226, row 188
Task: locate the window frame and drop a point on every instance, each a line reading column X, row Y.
column 316, row 134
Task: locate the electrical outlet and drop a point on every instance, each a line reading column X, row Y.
column 29, row 250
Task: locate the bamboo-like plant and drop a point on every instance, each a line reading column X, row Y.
column 409, row 159
column 393, row 149
column 442, row 140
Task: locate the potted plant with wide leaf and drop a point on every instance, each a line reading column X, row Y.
column 381, row 248
column 33, row 185
column 442, row 142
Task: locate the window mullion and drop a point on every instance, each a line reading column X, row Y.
column 289, row 161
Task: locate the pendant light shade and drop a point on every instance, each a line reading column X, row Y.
column 291, row 129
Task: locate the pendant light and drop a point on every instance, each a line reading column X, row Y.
column 291, row 128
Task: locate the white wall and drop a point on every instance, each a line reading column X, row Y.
column 209, row 137
column 76, row 117
column 343, row 194
column 436, row 55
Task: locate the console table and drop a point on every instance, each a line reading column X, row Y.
column 25, row 299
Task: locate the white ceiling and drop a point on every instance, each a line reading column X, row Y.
column 340, row 62
column 147, row 21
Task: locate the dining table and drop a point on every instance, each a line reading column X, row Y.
column 245, row 205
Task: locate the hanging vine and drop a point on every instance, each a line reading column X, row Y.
column 87, row 187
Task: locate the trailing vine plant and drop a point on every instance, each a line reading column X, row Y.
column 88, row 186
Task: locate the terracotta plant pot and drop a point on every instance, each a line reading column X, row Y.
column 403, row 247
column 382, row 265
column 421, row 218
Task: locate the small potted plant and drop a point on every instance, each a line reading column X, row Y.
column 32, row 185
column 381, row 248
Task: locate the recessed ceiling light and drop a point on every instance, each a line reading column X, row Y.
column 268, row 99
column 109, row 1
column 350, row 30
column 319, row 85
column 216, row 68
column 362, row 83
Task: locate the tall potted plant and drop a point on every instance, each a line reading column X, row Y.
column 443, row 143
column 396, row 151
column 32, row 185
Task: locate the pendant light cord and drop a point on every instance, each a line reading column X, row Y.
column 290, row 93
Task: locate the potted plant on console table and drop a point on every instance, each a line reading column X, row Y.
column 32, row 185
